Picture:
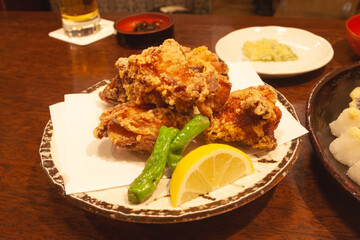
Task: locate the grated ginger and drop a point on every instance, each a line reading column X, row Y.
column 268, row 50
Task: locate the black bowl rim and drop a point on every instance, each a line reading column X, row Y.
column 310, row 124
column 171, row 24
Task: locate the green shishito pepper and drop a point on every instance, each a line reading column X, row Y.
column 193, row 128
column 169, row 146
column 145, row 184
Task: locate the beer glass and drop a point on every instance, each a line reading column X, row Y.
column 79, row 17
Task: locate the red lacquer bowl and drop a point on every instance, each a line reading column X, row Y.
column 353, row 33
column 126, row 36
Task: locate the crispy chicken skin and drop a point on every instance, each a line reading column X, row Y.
column 114, row 92
column 217, row 80
column 249, row 116
column 135, row 127
column 172, row 75
column 163, row 86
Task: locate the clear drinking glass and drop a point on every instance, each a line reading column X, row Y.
column 80, row 17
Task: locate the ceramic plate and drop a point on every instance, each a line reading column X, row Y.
column 313, row 51
column 270, row 168
column 326, row 101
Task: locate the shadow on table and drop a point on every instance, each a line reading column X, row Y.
column 343, row 46
column 295, row 80
column 217, row 227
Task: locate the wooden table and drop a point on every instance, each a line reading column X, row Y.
column 37, row 70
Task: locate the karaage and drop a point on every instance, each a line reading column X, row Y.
column 164, row 85
column 250, row 116
column 172, row 75
column 114, row 92
column 136, row 127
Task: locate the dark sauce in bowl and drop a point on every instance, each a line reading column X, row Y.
column 144, row 26
column 144, row 30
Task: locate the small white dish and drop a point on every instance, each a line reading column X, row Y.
column 313, row 51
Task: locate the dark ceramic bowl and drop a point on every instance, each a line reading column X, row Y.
column 326, row 101
column 126, row 36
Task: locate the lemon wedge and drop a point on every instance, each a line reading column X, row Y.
column 207, row 168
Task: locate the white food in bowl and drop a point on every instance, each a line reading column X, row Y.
column 346, row 147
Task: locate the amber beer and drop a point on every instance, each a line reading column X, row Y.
column 80, row 17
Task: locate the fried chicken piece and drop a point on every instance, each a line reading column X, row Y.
column 135, row 127
column 249, row 116
column 173, row 75
column 217, row 80
column 114, row 92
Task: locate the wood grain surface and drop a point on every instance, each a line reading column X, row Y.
column 37, row 70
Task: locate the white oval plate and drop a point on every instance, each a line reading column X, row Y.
column 270, row 168
column 313, row 51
